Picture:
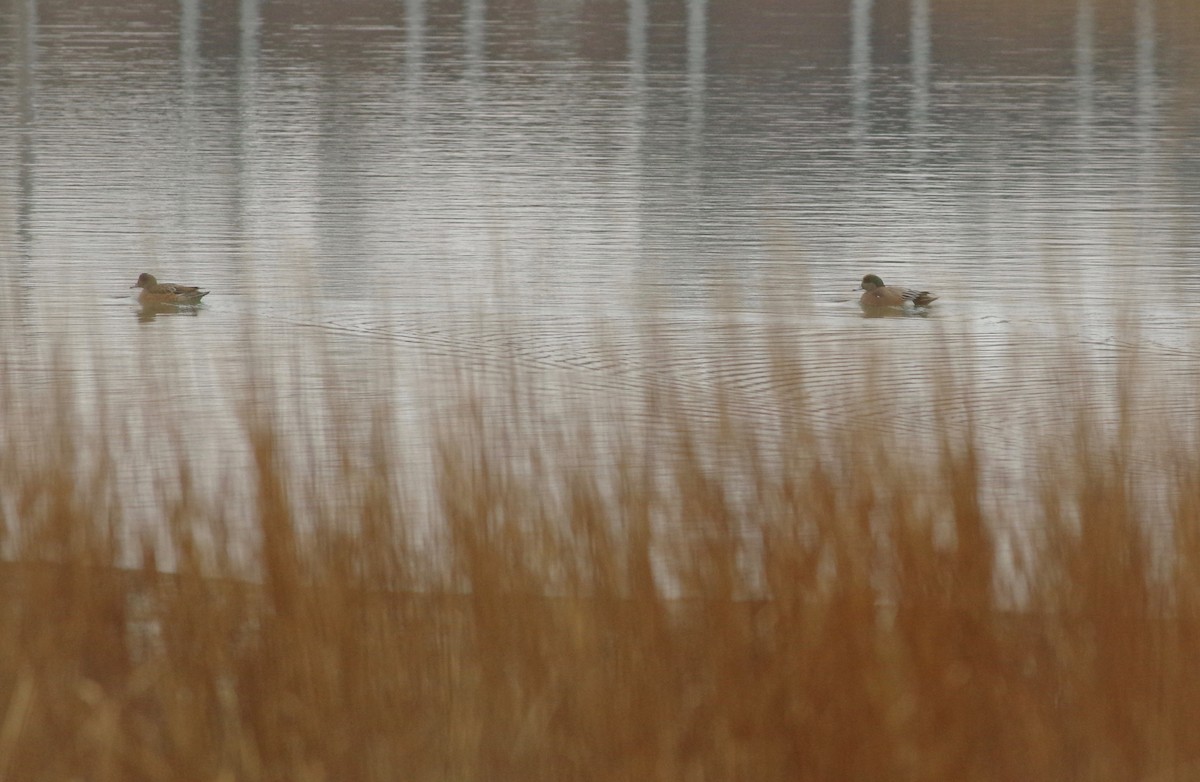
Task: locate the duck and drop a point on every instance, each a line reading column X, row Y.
column 155, row 292
column 876, row 294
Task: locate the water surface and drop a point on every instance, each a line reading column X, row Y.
column 529, row 183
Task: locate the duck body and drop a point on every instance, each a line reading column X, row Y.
column 155, row 292
column 876, row 295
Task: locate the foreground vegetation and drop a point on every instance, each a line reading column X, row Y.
column 695, row 600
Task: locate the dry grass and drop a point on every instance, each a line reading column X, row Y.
column 708, row 603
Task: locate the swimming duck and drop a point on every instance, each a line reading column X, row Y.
column 876, row 294
column 155, row 292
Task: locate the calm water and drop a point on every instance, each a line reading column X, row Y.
column 502, row 181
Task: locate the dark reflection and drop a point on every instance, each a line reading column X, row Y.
column 25, row 59
column 860, row 65
column 148, row 312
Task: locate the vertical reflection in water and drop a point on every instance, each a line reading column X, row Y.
column 1146, row 54
column 919, row 35
column 244, row 177
column 697, row 55
column 1145, row 119
column 860, row 66
column 189, row 38
column 250, row 20
column 411, row 103
column 26, row 82
column 474, row 28
column 637, row 42
column 1085, row 95
column 1085, row 34
column 414, row 64
column 414, row 46
column 919, row 111
column 189, row 71
column 919, row 31
column 637, row 110
column 474, row 23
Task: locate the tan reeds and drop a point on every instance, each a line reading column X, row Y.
column 699, row 598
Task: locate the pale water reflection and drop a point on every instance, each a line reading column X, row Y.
column 493, row 182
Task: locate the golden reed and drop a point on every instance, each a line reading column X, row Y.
column 642, row 595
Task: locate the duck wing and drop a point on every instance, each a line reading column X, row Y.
column 183, row 292
column 919, row 298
